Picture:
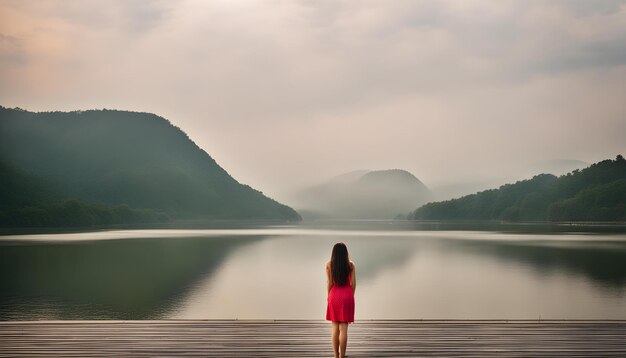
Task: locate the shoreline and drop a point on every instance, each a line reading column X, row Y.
column 539, row 227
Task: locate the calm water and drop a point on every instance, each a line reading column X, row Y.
column 278, row 272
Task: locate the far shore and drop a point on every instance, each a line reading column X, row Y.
column 343, row 224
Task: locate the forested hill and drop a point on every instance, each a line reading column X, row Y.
column 596, row 193
column 111, row 166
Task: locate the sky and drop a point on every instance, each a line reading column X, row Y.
column 283, row 94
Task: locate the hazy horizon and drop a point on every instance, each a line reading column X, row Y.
column 285, row 94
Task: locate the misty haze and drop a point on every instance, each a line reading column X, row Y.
column 201, row 163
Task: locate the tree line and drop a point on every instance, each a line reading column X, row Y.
column 596, row 193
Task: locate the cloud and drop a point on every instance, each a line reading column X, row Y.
column 139, row 15
column 284, row 92
column 10, row 51
column 591, row 8
column 601, row 54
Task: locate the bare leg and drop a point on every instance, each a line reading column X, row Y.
column 336, row 339
column 343, row 338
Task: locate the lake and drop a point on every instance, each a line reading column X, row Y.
column 404, row 271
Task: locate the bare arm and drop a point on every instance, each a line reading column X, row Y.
column 353, row 276
column 329, row 281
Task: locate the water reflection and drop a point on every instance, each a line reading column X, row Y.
column 278, row 272
column 108, row 279
column 597, row 260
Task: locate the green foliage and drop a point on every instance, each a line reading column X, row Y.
column 18, row 188
column 75, row 213
column 596, row 193
column 111, row 158
column 602, row 202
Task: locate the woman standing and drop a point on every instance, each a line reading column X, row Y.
column 340, row 284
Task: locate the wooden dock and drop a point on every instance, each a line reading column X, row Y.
column 286, row 338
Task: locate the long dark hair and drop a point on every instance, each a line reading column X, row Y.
column 340, row 264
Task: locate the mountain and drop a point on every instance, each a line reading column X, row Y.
column 596, row 193
column 457, row 189
column 348, row 177
column 381, row 194
column 117, row 160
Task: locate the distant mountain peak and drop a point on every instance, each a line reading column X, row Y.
column 366, row 194
column 349, row 176
column 399, row 175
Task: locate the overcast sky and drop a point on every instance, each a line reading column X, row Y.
column 285, row 93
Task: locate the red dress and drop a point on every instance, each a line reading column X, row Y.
column 340, row 303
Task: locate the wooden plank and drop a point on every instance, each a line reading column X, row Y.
column 297, row 338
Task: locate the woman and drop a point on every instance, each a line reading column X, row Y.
column 340, row 284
